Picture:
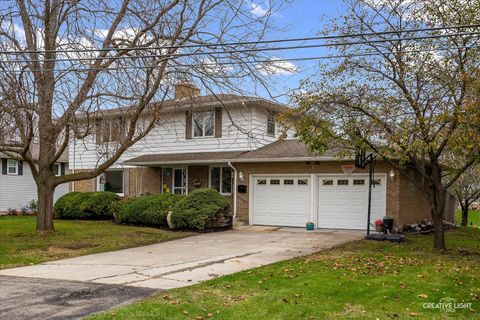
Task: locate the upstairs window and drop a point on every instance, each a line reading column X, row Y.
column 110, row 130
column 203, row 124
column 12, row 167
column 271, row 123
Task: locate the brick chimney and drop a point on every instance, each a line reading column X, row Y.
column 186, row 90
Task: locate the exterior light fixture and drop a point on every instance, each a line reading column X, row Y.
column 240, row 175
column 392, row 175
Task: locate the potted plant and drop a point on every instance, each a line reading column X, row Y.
column 310, row 225
column 388, row 223
column 379, row 225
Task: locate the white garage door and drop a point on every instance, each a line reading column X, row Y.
column 281, row 200
column 343, row 201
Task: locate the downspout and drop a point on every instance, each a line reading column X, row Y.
column 234, row 189
column 73, row 169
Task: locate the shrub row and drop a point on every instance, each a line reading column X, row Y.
column 201, row 209
column 87, row 205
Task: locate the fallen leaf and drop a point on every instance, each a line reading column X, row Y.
column 422, row 295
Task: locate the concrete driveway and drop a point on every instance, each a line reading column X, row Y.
column 190, row 260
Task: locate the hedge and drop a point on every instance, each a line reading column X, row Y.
column 202, row 209
column 87, row 205
column 149, row 210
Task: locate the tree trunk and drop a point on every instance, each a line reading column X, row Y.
column 465, row 215
column 437, row 196
column 45, row 208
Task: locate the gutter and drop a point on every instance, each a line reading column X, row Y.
column 234, row 190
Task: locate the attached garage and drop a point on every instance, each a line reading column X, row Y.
column 343, row 201
column 331, row 201
column 281, row 200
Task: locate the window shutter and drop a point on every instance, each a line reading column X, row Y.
column 218, row 122
column 4, row 166
column 20, row 168
column 188, row 125
column 62, row 169
column 98, row 131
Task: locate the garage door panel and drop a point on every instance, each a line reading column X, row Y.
column 344, row 206
column 281, row 204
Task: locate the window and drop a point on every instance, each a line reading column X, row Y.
column 288, row 181
column 358, row 182
column 327, row 182
column 203, row 124
column 110, row 130
column 261, row 181
column 56, row 169
column 274, row 181
column 221, row 179
column 376, row 182
column 12, row 167
column 302, row 182
column 342, row 182
column 271, row 123
column 112, row 181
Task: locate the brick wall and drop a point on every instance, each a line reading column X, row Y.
column 414, row 204
column 199, row 173
column 83, row 185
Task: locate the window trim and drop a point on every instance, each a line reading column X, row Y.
column 8, row 167
column 56, row 172
column 221, row 176
column 123, row 181
column 203, row 136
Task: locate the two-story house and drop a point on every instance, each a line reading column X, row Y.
column 235, row 145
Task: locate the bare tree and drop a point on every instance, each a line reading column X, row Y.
column 64, row 64
column 411, row 97
column 467, row 190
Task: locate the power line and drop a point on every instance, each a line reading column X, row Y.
column 273, row 61
column 328, row 37
column 173, row 55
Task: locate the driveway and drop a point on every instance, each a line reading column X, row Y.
column 75, row 287
column 187, row 261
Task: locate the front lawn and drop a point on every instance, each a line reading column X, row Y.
column 359, row 280
column 473, row 217
column 20, row 245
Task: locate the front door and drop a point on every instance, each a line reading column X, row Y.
column 174, row 180
column 179, row 179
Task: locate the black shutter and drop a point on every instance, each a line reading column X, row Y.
column 4, row 166
column 188, row 125
column 62, row 169
column 218, row 122
column 20, row 168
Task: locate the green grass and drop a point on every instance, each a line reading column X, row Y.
column 358, row 280
column 473, row 217
column 20, row 245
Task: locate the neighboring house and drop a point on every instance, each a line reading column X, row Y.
column 235, row 145
column 17, row 186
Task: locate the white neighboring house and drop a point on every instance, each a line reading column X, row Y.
column 17, row 186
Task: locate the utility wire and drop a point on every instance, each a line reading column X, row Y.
column 187, row 54
column 271, row 61
column 328, row 37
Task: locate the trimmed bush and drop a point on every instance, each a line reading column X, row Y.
column 148, row 210
column 87, row 205
column 202, row 209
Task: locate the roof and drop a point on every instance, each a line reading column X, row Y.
column 207, row 101
column 281, row 150
column 198, row 157
column 35, row 150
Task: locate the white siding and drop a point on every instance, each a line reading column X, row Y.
column 18, row 191
column 243, row 128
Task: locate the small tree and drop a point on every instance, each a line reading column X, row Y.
column 410, row 97
column 64, row 63
column 467, row 190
